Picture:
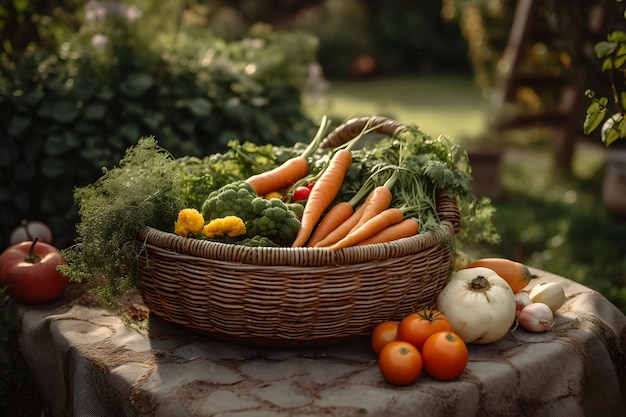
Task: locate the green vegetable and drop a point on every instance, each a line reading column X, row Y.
column 425, row 166
column 297, row 208
column 275, row 220
column 258, row 241
column 270, row 218
column 145, row 189
column 230, row 200
column 239, row 161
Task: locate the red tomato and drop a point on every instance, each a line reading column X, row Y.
column 301, row 194
column 28, row 270
column 417, row 327
column 310, row 185
column 445, row 355
column 400, row 362
column 383, row 333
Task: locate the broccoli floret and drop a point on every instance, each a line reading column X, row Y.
column 273, row 219
column 230, row 200
column 297, row 208
column 258, row 241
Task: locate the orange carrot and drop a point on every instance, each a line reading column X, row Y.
column 406, row 228
column 337, row 215
column 344, row 228
column 290, row 171
column 371, row 227
column 283, row 176
column 380, row 200
column 515, row 273
column 325, row 190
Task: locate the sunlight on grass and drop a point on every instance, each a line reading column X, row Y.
column 418, row 100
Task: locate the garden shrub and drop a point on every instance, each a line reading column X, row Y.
column 67, row 112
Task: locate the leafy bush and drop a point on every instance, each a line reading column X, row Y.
column 69, row 111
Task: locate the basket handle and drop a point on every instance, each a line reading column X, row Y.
column 351, row 128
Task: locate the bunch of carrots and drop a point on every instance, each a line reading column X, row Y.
column 367, row 218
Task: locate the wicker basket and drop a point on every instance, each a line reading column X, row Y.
column 295, row 297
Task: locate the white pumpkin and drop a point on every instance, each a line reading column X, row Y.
column 479, row 304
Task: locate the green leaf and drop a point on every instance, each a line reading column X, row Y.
column 199, row 107
column 620, row 57
column 18, row 125
column 29, row 100
column 607, row 65
column 136, row 84
column 611, row 136
column 617, row 36
column 95, row 111
column 134, row 109
column 105, row 94
column 65, row 111
column 53, row 168
column 84, row 90
column 595, row 115
column 130, row 131
column 153, row 120
column 56, row 145
column 84, row 127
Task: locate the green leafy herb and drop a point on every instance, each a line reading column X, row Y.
column 144, row 190
column 439, row 164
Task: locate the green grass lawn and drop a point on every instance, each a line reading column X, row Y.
column 452, row 105
column 555, row 224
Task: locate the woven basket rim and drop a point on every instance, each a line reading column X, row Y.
column 305, row 256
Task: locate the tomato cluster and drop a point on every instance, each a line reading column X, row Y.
column 421, row 340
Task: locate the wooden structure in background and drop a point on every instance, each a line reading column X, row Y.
column 532, row 29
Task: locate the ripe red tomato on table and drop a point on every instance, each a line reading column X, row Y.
column 400, row 362
column 384, row 332
column 28, row 271
column 416, row 327
column 445, row 355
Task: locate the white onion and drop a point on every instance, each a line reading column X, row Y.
column 536, row 317
column 522, row 299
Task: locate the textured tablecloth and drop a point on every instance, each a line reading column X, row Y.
column 89, row 363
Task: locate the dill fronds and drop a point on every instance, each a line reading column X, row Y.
column 146, row 189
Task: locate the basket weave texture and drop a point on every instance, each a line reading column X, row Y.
column 295, row 297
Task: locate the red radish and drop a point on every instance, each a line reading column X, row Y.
column 536, row 317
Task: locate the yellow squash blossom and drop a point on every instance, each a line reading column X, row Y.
column 230, row 226
column 190, row 221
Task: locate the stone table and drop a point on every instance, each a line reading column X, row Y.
column 88, row 362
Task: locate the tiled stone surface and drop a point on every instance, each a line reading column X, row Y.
column 88, row 363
